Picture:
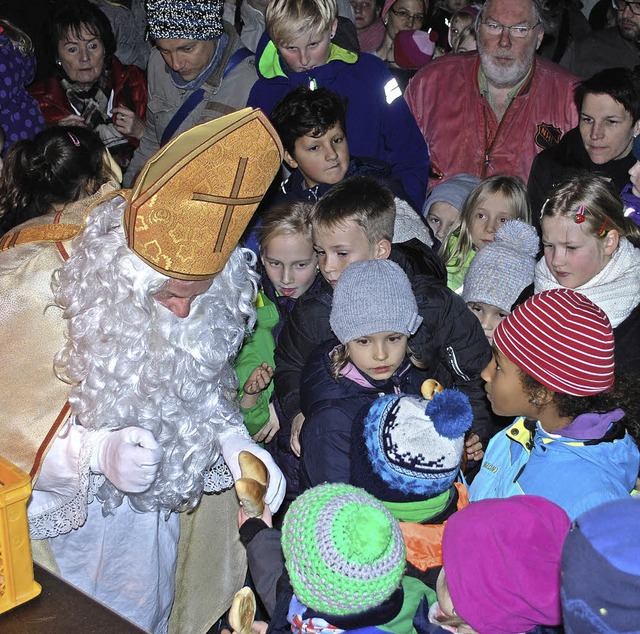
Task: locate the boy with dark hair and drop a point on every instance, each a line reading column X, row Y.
column 311, row 126
column 349, row 225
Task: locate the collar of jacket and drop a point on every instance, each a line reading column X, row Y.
column 270, row 64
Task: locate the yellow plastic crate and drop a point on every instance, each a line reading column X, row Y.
column 16, row 564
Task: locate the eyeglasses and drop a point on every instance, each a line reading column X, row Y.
column 408, row 17
column 518, row 31
column 621, row 5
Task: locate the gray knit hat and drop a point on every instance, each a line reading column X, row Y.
column 503, row 269
column 454, row 191
column 185, row 19
column 373, row 296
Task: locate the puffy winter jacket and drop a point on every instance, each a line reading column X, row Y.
column 330, row 406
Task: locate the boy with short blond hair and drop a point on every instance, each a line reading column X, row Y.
column 449, row 343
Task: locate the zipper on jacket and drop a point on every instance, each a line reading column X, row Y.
column 453, row 362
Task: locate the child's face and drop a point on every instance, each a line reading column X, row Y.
column 504, row 387
column 323, row 159
column 489, row 316
column 365, row 12
column 378, row 355
column 634, row 173
column 339, row 246
column 443, row 219
column 574, row 256
column 444, row 598
column 487, row 217
column 308, row 51
column 290, row 263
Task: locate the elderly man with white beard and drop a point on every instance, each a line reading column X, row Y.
column 118, row 393
column 491, row 112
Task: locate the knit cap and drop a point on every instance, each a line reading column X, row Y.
column 409, row 449
column 500, row 272
column 185, row 19
column 601, row 570
column 343, row 550
column 373, row 296
column 561, row 339
column 502, row 563
column 454, row 191
column 413, row 49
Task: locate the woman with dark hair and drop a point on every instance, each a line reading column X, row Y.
column 41, row 175
column 609, row 107
column 91, row 87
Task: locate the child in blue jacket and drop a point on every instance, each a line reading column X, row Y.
column 374, row 311
column 298, row 48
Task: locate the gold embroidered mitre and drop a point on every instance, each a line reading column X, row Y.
column 195, row 197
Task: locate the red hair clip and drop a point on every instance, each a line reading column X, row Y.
column 578, row 217
column 74, row 139
column 602, row 232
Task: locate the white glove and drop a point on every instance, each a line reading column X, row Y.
column 233, row 444
column 129, row 459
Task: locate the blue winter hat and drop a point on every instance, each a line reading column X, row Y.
column 601, row 570
column 409, row 449
column 454, row 191
column 635, row 149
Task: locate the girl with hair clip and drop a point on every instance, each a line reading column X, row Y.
column 374, row 312
column 288, row 268
column 573, row 439
column 20, row 116
column 491, row 203
column 57, row 167
column 590, row 246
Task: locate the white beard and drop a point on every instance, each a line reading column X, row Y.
column 132, row 362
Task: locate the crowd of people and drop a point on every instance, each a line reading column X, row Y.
column 390, row 249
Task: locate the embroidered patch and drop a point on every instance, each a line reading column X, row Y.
column 547, row 135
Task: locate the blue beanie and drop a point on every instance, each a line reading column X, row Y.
column 601, row 570
column 409, row 449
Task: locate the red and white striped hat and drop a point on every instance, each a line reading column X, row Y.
column 561, row 339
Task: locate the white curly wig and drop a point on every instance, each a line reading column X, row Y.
column 131, row 361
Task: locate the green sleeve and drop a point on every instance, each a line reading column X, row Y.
column 257, row 348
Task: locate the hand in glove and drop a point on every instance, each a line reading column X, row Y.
column 233, row 444
column 129, row 458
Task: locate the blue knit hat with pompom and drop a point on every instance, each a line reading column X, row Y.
column 409, row 449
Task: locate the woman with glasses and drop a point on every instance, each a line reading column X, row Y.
column 609, row 109
column 400, row 15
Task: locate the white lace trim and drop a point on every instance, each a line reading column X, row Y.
column 218, row 477
column 73, row 513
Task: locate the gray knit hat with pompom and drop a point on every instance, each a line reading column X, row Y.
column 503, row 269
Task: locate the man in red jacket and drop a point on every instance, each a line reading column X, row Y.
column 491, row 112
